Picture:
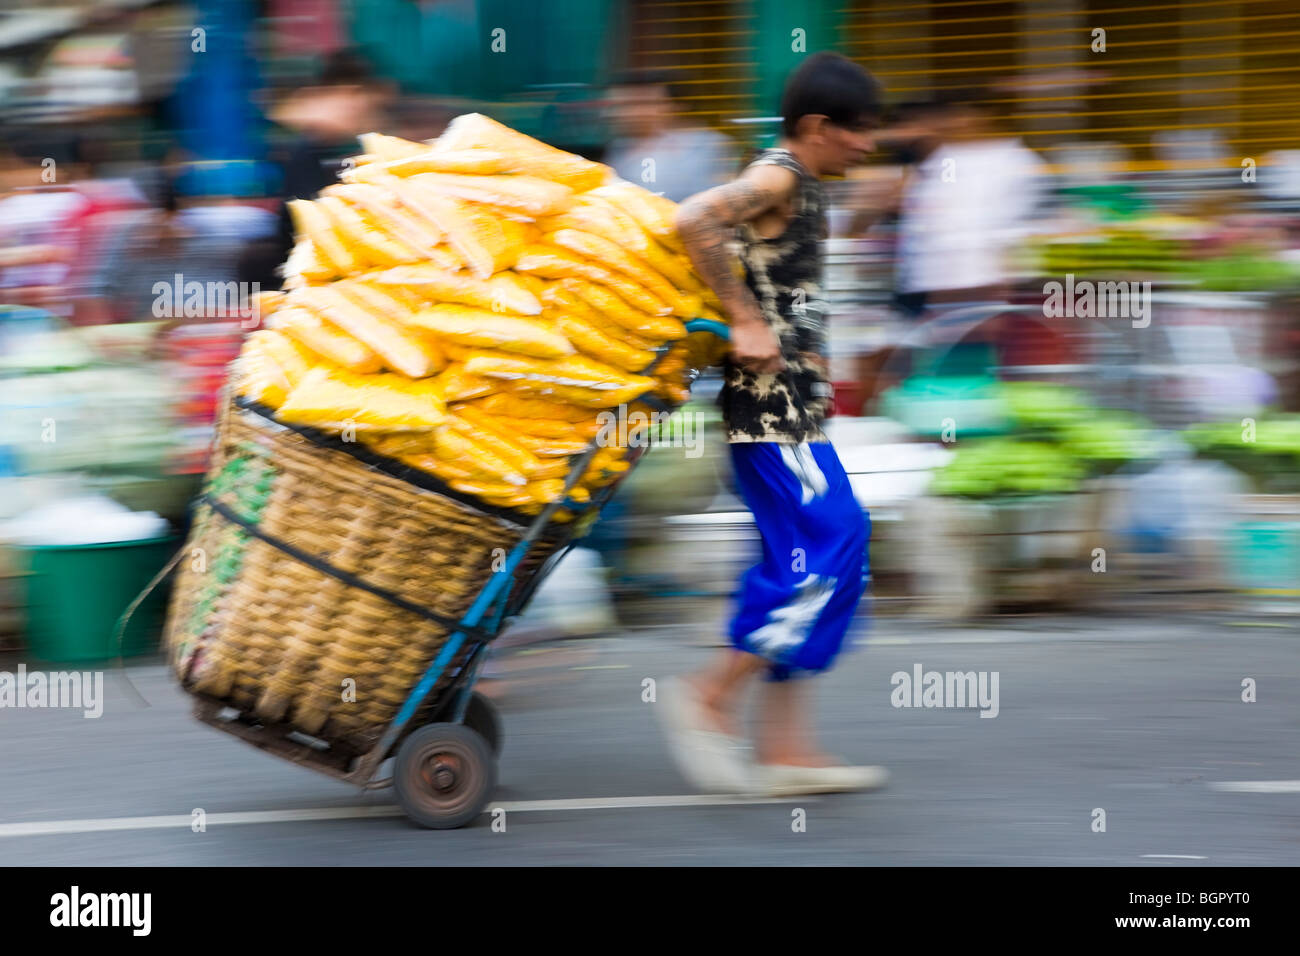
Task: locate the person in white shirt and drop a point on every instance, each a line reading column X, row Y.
column 964, row 208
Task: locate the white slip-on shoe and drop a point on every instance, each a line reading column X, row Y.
column 712, row 761
column 787, row 780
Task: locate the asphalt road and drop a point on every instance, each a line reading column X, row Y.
column 1141, row 717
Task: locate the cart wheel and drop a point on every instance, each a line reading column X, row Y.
column 444, row 775
column 481, row 715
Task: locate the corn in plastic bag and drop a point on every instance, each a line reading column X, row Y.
column 382, row 148
column 552, row 262
column 655, row 214
column 576, row 380
column 478, row 328
column 474, row 456
column 508, row 405
column 501, row 293
column 527, row 195
column 312, row 222
column 472, row 160
column 474, row 130
column 601, row 250
column 600, row 219
column 612, row 308
column 592, row 341
column 269, row 366
column 335, row 399
column 326, row 339
column 401, row 349
column 396, row 236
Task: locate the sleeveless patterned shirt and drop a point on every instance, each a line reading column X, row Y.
column 784, row 274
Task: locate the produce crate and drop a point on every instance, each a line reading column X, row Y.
column 311, row 562
column 970, row 556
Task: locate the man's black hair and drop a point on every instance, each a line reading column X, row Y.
column 663, row 78
column 833, row 86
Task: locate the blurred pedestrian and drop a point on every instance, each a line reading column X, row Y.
column 654, row 148
column 965, row 206
column 794, row 607
column 321, row 123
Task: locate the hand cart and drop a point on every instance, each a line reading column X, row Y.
column 278, row 596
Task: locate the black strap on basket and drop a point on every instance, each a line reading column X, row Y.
column 346, row 577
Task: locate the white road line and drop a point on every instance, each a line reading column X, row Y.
column 53, row 827
column 1258, row 786
column 1170, row 856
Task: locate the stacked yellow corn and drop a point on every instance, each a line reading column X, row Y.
column 471, row 305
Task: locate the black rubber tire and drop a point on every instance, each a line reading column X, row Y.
column 444, row 775
column 482, row 715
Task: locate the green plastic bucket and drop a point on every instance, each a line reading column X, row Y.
column 77, row 592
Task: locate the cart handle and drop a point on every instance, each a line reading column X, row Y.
column 720, row 329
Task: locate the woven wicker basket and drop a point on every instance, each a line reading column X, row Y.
column 275, row 610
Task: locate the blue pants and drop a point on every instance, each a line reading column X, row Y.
column 795, row 606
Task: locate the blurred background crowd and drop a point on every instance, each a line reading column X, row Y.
column 1145, row 446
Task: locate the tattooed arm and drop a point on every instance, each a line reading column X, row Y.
column 707, row 224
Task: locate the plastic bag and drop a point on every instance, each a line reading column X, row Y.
column 605, row 348
column 633, row 236
column 399, row 444
column 484, row 427
column 259, row 376
column 553, row 447
column 326, row 339
column 400, row 348
column 477, row 457
column 314, row 223
column 508, row 405
column 486, row 242
column 576, row 380
column 383, row 148
column 501, row 293
column 402, row 236
column 611, row 256
column 479, row 328
column 368, row 244
column 541, row 427
column 472, row 160
column 474, row 130
column 614, row 309
column 552, row 262
column 456, row 385
column 676, row 267
column 305, row 266
column 335, row 399
column 598, row 218
column 528, row 195
column 573, row 370
column 655, row 214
